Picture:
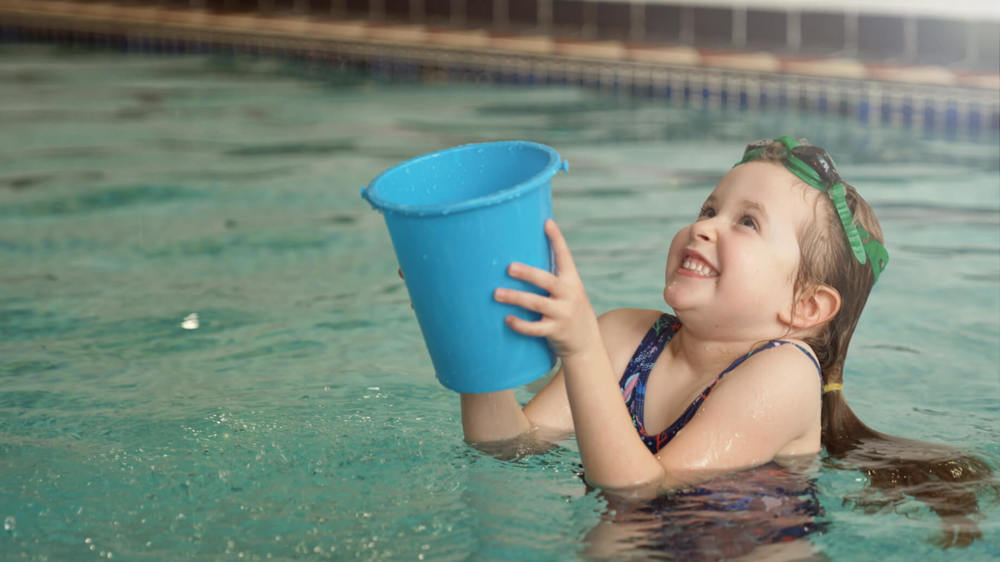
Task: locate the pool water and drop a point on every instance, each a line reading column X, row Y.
column 205, row 351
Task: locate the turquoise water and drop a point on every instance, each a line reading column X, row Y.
column 297, row 414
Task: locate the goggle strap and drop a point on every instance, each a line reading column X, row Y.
column 750, row 156
column 875, row 250
column 847, row 220
column 804, row 171
column 788, row 141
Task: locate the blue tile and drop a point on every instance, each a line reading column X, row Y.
column 929, row 116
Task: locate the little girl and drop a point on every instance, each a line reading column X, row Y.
column 766, row 286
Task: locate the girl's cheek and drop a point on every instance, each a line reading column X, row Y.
column 676, row 246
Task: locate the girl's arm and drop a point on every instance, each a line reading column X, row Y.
column 496, row 416
column 612, row 453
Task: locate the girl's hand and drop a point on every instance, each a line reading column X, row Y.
column 568, row 320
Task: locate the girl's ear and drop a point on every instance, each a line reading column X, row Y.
column 814, row 307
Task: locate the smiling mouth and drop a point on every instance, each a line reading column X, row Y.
column 698, row 267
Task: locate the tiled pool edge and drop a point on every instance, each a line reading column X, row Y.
column 933, row 99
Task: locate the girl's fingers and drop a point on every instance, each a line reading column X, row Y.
column 539, row 329
column 528, row 301
column 560, row 249
column 537, row 277
column 541, row 278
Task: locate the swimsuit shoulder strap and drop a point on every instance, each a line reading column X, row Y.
column 776, row 343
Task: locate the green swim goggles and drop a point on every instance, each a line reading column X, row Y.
column 814, row 166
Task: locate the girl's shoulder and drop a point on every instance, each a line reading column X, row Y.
column 797, row 349
column 786, row 363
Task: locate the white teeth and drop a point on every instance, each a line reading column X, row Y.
column 698, row 268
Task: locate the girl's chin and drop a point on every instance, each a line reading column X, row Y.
column 669, row 296
column 676, row 296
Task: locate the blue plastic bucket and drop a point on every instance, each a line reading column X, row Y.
column 457, row 218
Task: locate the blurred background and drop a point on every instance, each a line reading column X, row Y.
column 963, row 33
column 931, row 64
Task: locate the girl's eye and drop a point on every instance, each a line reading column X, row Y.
column 749, row 222
column 706, row 212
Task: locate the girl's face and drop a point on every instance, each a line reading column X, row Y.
column 734, row 268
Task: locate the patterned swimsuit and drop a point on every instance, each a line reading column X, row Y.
column 633, row 382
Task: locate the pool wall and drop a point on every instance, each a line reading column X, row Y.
column 912, row 65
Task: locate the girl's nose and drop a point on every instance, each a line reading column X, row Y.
column 704, row 230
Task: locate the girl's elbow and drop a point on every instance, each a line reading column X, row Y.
column 631, row 486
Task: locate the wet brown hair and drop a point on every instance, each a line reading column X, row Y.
column 945, row 479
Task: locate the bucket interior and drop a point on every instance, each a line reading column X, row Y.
column 463, row 173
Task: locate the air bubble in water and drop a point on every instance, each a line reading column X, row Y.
column 190, row 321
column 9, row 523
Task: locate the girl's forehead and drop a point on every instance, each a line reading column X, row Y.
column 771, row 186
column 763, row 182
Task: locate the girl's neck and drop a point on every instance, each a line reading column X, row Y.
column 705, row 355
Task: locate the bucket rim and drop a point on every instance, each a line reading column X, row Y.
column 553, row 166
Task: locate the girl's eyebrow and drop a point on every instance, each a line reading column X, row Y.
column 747, row 203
